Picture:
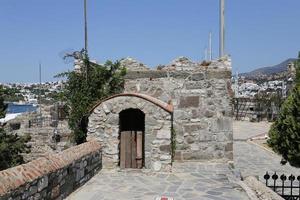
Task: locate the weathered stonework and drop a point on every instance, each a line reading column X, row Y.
column 104, row 126
column 53, row 176
column 201, row 112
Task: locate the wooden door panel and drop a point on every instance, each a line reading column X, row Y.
column 133, row 149
column 139, row 149
column 128, row 149
column 122, row 150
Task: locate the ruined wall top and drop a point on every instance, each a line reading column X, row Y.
column 181, row 64
column 133, row 65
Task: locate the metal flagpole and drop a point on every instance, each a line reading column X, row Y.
column 210, row 47
column 86, row 42
column 222, row 28
column 85, row 28
column 40, row 88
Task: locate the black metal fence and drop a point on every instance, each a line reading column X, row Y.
column 44, row 121
column 288, row 187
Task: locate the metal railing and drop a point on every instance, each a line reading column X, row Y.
column 287, row 187
column 44, row 121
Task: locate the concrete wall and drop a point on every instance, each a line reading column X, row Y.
column 53, row 176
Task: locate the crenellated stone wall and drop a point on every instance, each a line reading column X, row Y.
column 53, row 176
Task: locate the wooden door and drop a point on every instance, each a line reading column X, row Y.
column 131, row 149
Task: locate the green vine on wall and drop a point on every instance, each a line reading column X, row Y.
column 173, row 142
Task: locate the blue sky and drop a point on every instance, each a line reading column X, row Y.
column 258, row 32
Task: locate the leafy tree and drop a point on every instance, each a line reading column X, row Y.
column 11, row 146
column 297, row 65
column 285, row 132
column 2, row 105
column 84, row 88
column 11, row 149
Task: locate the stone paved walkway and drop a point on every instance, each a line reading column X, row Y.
column 190, row 181
column 243, row 130
column 252, row 159
column 255, row 161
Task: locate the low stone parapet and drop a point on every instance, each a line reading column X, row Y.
column 53, row 176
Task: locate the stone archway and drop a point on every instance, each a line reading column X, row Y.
column 104, row 125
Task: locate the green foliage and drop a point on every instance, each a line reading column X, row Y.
column 297, row 66
column 173, row 142
column 11, row 148
column 12, row 94
column 285, row 132
column 85, row 88
column 2, row 105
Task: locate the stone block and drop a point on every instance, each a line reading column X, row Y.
column 193, row 127
column 195, row 147
column 190, row 139
column 42, row 183
column 178, row 155
column 182, row 146
column 197, row 76
column 165, row 157
column 209, row 113
column 181, row 115
column 189, row 102
column 32, row 190
column 163, row 134
column 165, row 148
column 222, row 124
column 156, row 166
column 79, row 174
column 197, row 155
column 229, row 147
column 55, row 192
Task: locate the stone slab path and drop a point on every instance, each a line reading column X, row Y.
column 243, row 130
column 190, row 181
column 251, row 159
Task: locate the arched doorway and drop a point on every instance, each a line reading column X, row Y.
column 132, row 130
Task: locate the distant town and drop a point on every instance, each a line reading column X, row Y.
column 28, row 93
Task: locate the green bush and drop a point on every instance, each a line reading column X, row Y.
column 11, row 149
column 2, row 105
column 11, row 146
column 285, row 132
column 83, row 89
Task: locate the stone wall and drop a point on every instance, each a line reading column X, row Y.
column 104, row 126
column 192, row 98
column 42, row 142
column 53, row 176
column 201, row 96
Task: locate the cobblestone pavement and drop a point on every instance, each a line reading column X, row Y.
column 251, row 159
column 190, row 181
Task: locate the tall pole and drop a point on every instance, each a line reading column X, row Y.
column 210, row 47
column 86, row 42
column 205, row 54
column 40, row 87
column 85, row 28
column 222, row 28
